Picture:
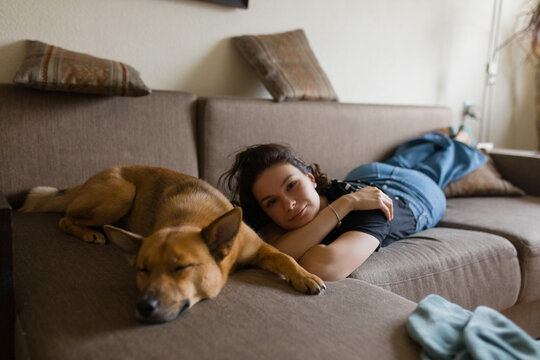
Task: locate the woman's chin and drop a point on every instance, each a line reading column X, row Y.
column 303, row 218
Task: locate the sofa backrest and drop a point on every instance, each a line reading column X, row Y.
column 337, row 136
column 60, row 139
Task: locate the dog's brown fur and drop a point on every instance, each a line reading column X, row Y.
column 184, row 236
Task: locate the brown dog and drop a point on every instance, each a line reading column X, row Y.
column 184, row 236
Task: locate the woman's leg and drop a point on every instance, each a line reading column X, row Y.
column 441, row 158
column 418, row 172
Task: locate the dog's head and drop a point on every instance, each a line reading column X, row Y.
column 178, row 267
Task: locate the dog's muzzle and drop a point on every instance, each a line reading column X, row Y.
column 150, row 309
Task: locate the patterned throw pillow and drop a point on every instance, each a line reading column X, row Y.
column 484, row 181
column 286, row 66
column 48, row 67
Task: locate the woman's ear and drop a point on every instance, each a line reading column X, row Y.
column 312, row 178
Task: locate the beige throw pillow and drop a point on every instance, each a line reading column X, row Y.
column 484, row 181
column 49, row 67
column 286, row 66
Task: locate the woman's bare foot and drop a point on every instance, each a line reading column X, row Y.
column 464, row 137
column 446, row 131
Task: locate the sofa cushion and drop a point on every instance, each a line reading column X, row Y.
column 60, row 139
column 77, row 301
column 465, row 267
column 323, row 126
column 48, row 67
column 286, row 66
column 515, row 219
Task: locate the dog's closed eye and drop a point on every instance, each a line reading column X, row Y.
column 179, row 268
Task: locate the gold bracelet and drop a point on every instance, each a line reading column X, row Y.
column 337, row 215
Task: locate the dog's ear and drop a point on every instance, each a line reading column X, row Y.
column 127, row 241
column 220, row 234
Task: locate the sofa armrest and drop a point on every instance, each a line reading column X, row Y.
column 520, row 167
column 7, row 305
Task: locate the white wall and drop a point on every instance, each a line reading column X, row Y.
column 430, row 52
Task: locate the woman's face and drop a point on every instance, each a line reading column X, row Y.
column 287, row 195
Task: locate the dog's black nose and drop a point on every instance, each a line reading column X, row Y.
column 146, row 306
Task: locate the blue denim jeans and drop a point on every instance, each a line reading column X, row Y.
column 418, row 172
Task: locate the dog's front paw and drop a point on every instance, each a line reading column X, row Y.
column 308, row 284
column 94, row 237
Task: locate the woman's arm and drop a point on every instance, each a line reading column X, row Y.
column 297, row 242
column 339, row 259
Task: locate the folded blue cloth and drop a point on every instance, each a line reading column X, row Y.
column 447, row 331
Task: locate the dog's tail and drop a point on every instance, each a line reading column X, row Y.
column 46, row 199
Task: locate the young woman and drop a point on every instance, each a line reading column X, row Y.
column 332, row 227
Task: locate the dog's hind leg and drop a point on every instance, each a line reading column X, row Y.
column 72, row 227
column 104, row 199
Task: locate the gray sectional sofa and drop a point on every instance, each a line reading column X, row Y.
column 65, row 299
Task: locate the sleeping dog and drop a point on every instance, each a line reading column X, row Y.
column 182, row 235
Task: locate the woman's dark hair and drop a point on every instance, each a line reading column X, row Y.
column 250, row 163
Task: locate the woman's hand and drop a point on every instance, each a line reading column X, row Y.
column 372, row 198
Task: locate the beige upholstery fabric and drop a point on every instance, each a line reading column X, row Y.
column 86, row 133
column 466, row 267
column 527, row 316
column 522, row 171
column 81, row 298
column 49, row 67
column 537, row 102
column 337, row 136
column 286, row 66
column 516, row 219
